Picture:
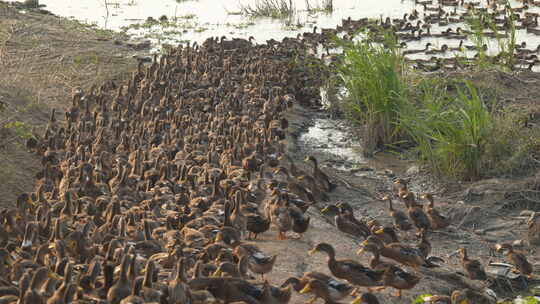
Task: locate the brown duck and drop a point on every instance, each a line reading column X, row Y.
column 473, row 268
column 517, row 259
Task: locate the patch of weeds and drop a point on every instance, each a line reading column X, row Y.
column 482, row 28
column 88, row 58
column 421, row 299
column 450, row 125
column 278, row 9
column 323, row 6
column 241, row 26
column 371, row 73
column 187, row 17
column 234, row 13
column 20, row 129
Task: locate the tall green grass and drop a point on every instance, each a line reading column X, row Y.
column 448, row 125
column 479, row 24
column 372, row 74
column 325, row 6
column 279, row 9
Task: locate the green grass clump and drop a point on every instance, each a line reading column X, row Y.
column 447, row 123
column 372, row 74
column 482, row 29
column 279, row 9
column 326, row 6
column 452, row 137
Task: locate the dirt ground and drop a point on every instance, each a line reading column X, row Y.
column 44, row 58
column 481, row 212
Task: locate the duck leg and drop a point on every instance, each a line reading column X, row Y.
column 398, row 293
column 376, row 289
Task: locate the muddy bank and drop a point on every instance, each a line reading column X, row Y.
column 478, row 211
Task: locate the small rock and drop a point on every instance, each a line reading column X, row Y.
column 117, row 42
column 365, row 168
column 518, row 243
column 413, row 170
column 139, row 44
column 526, row 213
column 389, row 173
column 143, row 58
column 480, row 231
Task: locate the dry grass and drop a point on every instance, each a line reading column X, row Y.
column 42, row 59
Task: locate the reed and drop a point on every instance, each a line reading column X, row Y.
column 480, row 24
column 372, row 75
column 446, row 123
column 279, row 9
column 325, row 6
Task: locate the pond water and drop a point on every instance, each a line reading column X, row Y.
column 197, row 20
column 206, row 18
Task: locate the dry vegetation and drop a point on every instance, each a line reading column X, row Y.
column 43, row 58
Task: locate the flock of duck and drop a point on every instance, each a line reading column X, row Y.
column 155, row 190
column 449, row 17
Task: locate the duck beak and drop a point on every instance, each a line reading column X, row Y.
column 306, row 289
column 217, row 273
column 306, row 159
column 324, row 210
column 360, row 251
column 464, row 301
column 218, row 238
column 312, row 251
column 357, row 300
column 379, row 232
column 498, row 247
column 54, row 275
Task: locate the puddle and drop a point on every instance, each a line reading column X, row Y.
column 332, row 137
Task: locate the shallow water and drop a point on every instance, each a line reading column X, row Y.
column 196, row 20
column 217, row 18
column 331, row 136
